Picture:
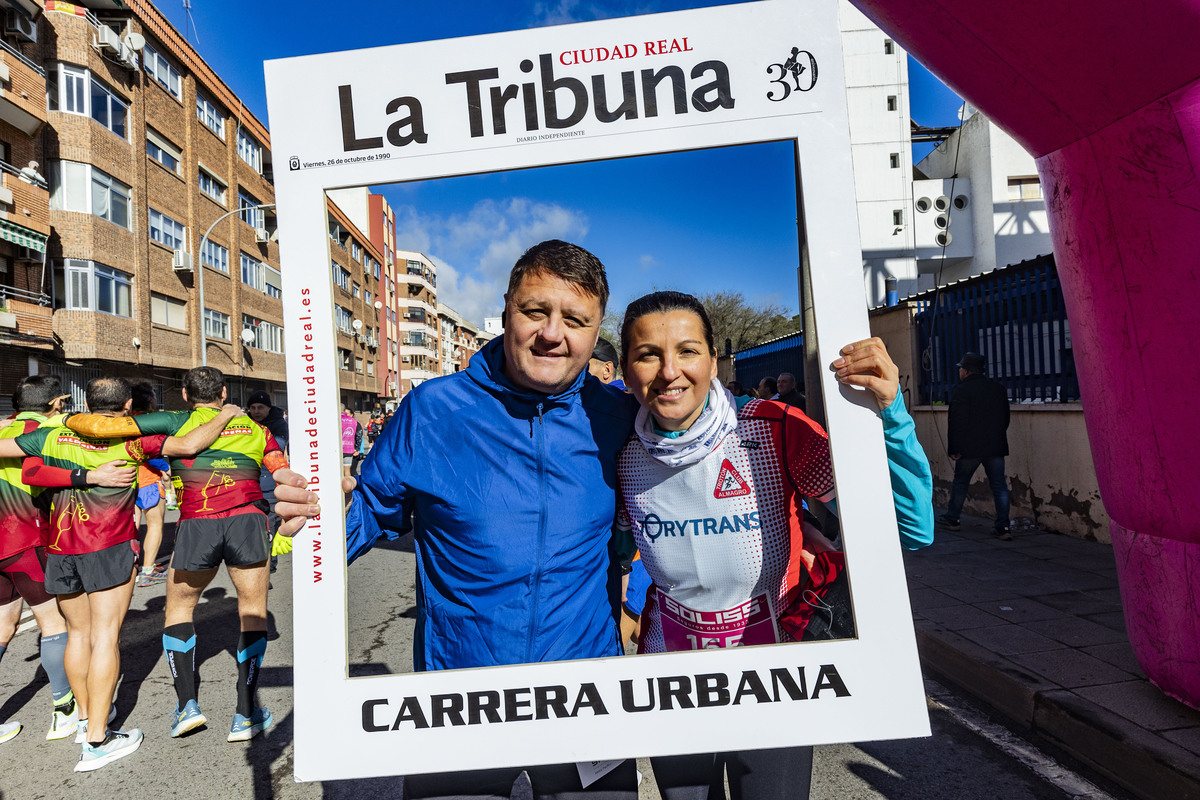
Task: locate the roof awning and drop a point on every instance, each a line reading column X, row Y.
column 19, row 234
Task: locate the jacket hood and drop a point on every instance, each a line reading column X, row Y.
column 487, row 370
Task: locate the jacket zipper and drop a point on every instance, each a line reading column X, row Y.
column 537, row 577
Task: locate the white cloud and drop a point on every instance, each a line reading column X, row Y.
column 474, row 251
column 647, row 262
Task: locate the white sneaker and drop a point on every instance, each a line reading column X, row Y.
column 118, row 745
column 64, row 719
column 8, row 730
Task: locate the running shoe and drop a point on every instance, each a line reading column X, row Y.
column 8, row 730
column 246, row 728
column 187, row 720
column 81, row 730
column 152, row 578
column 64, row 720
column 949, row 523
column 117, row 744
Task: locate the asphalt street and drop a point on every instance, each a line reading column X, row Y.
column 961, row 760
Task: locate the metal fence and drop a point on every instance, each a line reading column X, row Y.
column 785, row 354
column 1016, row 318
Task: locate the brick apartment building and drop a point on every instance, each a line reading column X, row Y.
column 460, row 339
column 144, row 149
column 358, row 279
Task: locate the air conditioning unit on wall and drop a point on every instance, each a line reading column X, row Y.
column 181, row 261
column 107, row 39
column 19, row 24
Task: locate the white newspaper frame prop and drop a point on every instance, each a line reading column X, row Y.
column 400, row 119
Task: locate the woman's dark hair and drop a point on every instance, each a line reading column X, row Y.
column 663, row 303
column 143, row 397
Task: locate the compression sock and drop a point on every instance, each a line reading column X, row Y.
column 53, row 649
column 251, row 646
column 179, row 643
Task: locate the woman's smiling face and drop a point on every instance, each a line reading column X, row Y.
column 670, row 365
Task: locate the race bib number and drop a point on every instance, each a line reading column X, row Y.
column 687, row 629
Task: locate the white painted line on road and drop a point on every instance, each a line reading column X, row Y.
column 27, row 621
column 1044, row 766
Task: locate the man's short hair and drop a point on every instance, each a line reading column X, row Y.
column 143, row 397
column 605, row 352
column 37, row 393
column 772, row 386
column 204, row 384
column 108, row 394
column 566, row 261
column 787, row 375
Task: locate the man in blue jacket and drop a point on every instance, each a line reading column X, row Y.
column 506, row 472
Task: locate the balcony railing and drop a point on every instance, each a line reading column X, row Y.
column 34, row 178
column 37, row 298
column 15, row 53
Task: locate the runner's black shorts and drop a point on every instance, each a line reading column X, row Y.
column 24, row 575
column 91, row 572
column 204, row 542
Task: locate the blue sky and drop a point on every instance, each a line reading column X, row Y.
column 722, row 220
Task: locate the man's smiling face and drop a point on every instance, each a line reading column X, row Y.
column 550, row 329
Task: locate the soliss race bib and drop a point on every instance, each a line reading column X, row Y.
column 687, row 629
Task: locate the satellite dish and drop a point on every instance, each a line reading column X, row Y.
column 135, row 41
column 247, row 335
column 378, row 305
column 357, row 324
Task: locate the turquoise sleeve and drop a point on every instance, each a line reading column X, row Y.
column 912, row 479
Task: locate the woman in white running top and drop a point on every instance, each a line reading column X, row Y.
column 713, row 488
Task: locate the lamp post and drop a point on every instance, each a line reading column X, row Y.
column 200, row 275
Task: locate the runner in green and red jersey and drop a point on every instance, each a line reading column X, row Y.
column 223, row 518
column 91, row 548
column 24, row 515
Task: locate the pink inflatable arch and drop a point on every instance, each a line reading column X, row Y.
column 1106, row 95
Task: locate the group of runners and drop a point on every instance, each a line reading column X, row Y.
column 69, row 545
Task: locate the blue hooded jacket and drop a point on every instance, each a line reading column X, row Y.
column 511, row 496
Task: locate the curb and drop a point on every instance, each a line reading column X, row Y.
column 1143, row 763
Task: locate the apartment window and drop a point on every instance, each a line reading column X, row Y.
column 82, row 187
column 337, row 234
column 216, row 324
column 211, row 185
column 370, row 369
column 162, row 151
column 95, row 287
column 267, row 335
column 376, row 270
column 344, row 356
column 894, row 161
column 342, row 318
column 254, row 217
column 77, row 92
column 168, row 311
column 167, row 231
column 250, row 150
column 274, row 281
column 215, row 256
column 355, row 251
column 891, row 102
column 898, row 216
column 252, row 273
column 358, row 365
column 1026, row 187
column 162, row 71
column 341, row 276
column 208, row 113
column 355, row 290
column 889, row 47
column 367, row 297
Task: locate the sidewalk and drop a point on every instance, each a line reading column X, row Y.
column 1033, row 628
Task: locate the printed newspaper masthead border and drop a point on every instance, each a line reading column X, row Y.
column 714, row 77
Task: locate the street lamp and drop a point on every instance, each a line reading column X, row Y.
column 200, row 275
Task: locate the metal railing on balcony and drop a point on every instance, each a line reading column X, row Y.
column 15, row 53
column 30, row 175
column 23, row 295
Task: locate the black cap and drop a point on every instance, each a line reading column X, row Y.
column 972, row 362
column 259, row 397
column 604, row 351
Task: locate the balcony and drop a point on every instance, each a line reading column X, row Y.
column 26, row 319
column 413, row 278
column 22, row 91
column 24, row 207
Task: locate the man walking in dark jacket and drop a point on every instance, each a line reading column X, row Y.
column 978, row 435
